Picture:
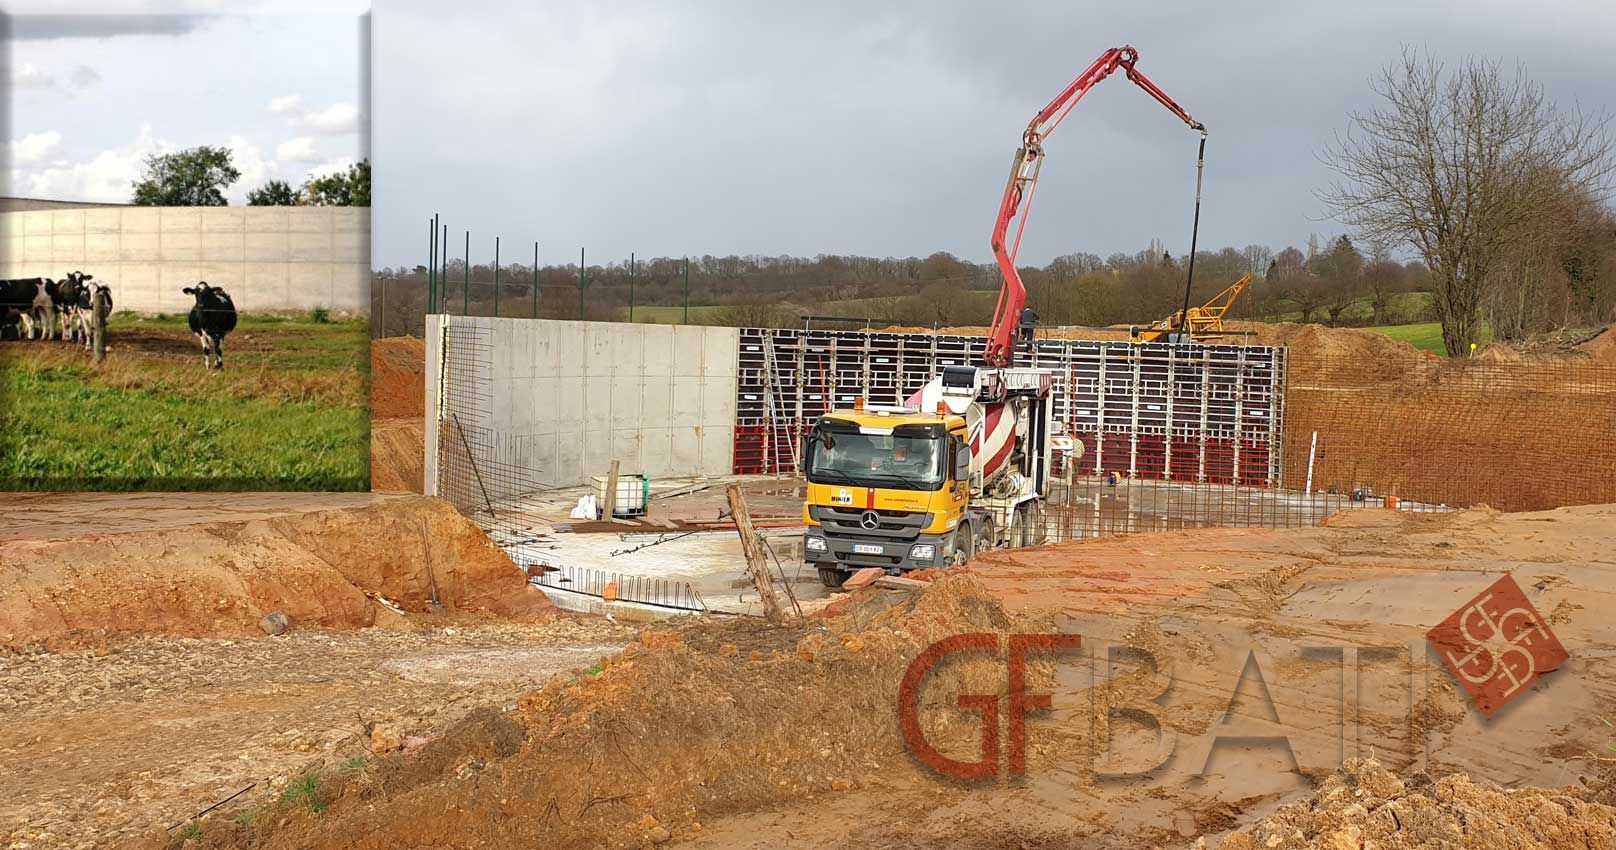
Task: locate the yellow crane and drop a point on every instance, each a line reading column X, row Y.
column 1205, row 321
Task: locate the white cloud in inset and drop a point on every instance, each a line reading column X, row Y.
column 300, row 149
column 34, row 146
column 338, row 165
column 285, row 103
column 107, row 177
column 335, row 119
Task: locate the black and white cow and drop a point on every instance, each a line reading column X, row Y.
column 30, row 301
column 70, row 293
column 79, row 291
column 212, row 316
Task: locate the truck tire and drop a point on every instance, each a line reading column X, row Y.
column 831, row 577
column 964, row 544
column 1027, row 526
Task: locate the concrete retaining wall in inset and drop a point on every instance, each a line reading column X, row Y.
column 267, row 258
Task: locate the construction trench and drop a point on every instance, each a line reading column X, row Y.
column 1252, row 669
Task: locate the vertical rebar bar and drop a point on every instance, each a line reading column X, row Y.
column 496, row 277
column 432, row 263
column 535, row 280
column 465, row 288
column 687, row 290
column 580, row 284
column 443, row 268
column 631, row 287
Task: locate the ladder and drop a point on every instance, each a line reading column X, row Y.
column 775, row 404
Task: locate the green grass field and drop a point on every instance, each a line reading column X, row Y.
column 1426, row 336
column 288, row 412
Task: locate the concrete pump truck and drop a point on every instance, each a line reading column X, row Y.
column 963, row 466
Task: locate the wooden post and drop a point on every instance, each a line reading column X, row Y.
column 609, row 510
column 756, row 561
column 98, row 325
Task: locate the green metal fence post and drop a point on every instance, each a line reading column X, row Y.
column 535, row 280
column 465, row 292
column 496, row 277
column 631, row 286
column 687, row 290
column 443, row 268
column 432, row 263
column 580, row 284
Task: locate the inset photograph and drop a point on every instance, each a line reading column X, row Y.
column 184, row 252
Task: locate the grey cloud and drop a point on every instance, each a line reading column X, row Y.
column 842, row 126
column 50, row 27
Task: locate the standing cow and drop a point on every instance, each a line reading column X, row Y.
column 32, row 302
column 84, row 318
column 70, row 294
column 212, row 316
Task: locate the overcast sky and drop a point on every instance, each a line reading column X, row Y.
column 96, row 90
column 887, row 128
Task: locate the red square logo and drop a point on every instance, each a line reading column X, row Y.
column 1497, row 645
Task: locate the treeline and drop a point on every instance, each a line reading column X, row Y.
column 941, row 289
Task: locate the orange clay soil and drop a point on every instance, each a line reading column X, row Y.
column 92, row 566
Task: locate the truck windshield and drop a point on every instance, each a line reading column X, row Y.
column 876, row 460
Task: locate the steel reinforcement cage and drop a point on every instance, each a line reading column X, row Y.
column 1210, row 414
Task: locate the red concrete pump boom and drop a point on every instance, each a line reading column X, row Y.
column 1024, row 178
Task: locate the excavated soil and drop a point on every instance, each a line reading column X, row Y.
column 397, row 407
column 397, row 377
column 80, row 568
column 1365, row 805
column 107, row 746
column 397, row 461
column 731, row 735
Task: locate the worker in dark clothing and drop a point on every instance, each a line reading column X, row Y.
column 1029, row 322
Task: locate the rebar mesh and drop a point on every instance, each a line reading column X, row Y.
column 1171, row 436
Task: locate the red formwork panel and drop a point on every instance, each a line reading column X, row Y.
column 1157, row 411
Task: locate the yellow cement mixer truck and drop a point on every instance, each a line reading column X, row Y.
column 961, row 467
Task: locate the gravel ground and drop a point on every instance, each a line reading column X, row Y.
column 106, row 744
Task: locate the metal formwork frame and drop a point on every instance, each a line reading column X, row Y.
column 1154, row 402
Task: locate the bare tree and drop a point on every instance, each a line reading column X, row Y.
column 1451, row 164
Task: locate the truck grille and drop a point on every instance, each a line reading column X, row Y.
column 898, row 525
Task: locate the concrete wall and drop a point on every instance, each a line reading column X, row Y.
column 658, row 398
column 267, row 258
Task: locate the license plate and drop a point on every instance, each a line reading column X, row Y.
column 866, row 549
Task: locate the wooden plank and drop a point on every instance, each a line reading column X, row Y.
column 680, row 491
column 899, row 583
column 610, row 508
column 757, row 563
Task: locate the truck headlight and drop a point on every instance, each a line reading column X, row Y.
column 923, row 551
column 814, row 544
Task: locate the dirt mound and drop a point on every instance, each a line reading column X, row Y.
column 397, row 377
column 681, row 727
column 217, row 579
column 1365, row 805
column 396, row 460
column 1602, row 347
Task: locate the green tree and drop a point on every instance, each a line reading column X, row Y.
column 195, row 177
column 275, row 193
column 349, row 188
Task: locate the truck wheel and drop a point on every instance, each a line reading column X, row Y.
column 964, row 544
column 831, row 577
column 1027, row 526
